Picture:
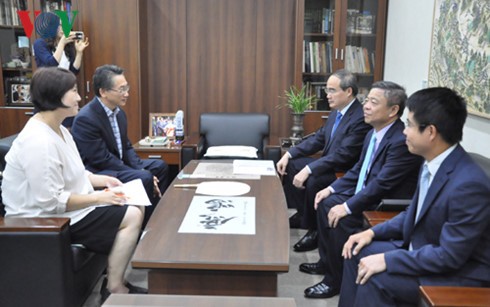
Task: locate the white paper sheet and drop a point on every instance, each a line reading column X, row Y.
column 135, row 193
column 220, row 171
column 258, row 167
column 220, row 215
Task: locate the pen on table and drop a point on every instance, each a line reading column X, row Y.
column 186, row 185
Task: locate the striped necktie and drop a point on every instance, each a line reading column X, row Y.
column 117, row 133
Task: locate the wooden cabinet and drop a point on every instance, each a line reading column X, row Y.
column 13, row 119
column 337, row 34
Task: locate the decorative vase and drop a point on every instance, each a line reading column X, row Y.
column 297, row 128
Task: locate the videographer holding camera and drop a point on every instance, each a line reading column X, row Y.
column 54, row 48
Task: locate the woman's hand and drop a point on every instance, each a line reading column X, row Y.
column 81, row 44
column 111, row 197
column 112, row 182
column 66, row 40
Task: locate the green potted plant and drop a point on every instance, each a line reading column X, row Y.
column 298, row 100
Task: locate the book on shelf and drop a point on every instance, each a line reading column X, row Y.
column 319, row 20
column 8, row 13
column 357, row 60
column 317, row 57
column 318, row 89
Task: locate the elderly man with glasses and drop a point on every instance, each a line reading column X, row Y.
column 100, row 132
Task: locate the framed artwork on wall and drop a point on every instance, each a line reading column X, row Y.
column 162, row 124
column 460, row 51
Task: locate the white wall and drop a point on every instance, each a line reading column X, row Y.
column 408, row 40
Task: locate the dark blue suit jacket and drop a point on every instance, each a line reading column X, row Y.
column 393, row 172
column 95, row 140
column 452, row 235
column 342, row 150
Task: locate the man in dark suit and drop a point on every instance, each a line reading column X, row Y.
column 386, row 169
column 340, row 141
column 100, row 132
column 443, row 238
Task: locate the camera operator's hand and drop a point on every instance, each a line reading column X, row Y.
column 80, row 44
column 66, row 40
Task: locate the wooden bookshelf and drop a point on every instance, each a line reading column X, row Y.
column 335, row 34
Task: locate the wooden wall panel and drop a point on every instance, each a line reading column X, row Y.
column 221, row 51
column 276, row 24
column 164, row 63
column 115, row 24
column 218, row 56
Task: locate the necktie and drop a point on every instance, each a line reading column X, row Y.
column 117, row 134
column 337, row 122
column 424, row 186
column 365, row 164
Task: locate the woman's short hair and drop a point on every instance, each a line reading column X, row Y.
column 49, row 85
column 103, row 77
column 441, row 107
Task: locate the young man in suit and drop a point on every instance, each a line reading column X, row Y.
column 100, row 132
column 386, row 169
column 340, row 141
column 443, row 238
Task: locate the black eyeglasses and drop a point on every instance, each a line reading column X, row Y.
column 121, row 90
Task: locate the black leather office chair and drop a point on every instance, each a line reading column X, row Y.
column 221, row 129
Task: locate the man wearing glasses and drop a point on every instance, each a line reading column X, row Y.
column 339, row 140
column 100, row 132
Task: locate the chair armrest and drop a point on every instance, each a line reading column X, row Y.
column 393, row 204
column 191, row 149
column 273, row 152
column 34, row 224
column 453, row 296
column 373, row 218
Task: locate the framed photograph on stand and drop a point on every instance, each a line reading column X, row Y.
column 162, row 124
column 18, row 93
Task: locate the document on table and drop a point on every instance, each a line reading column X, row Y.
column 220, row 171
column 135, row 193
column 220, row 215
column 259, row 167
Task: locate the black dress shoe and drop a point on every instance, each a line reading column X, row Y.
column 308, row 242
column 135, row 289
column 315, row 268
column 295, row 221
column 104, row 292
column 320, row 290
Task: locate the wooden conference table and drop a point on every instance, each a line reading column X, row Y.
column 215, row 264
